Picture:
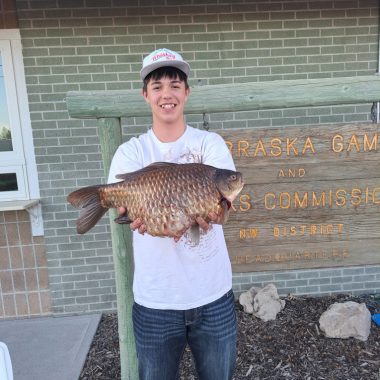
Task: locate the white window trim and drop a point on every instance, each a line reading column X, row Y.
column 22, row 186
column 13, row 111
column 31, row 176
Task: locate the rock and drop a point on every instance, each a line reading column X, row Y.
column 346, row 320
column 267, row 304
column 246, row 299
column 263, row 303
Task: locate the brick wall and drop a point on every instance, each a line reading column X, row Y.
column 24, row 288
column 353, row 280
column 98, row 45
column 8, row 15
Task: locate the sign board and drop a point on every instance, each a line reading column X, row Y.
column 311, row 197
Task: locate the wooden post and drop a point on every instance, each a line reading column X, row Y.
column 109, row 130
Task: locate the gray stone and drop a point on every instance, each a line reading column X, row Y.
column 262, row 303
column 246, row 300
column 346, row 320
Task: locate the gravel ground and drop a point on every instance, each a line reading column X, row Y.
column 291, row 347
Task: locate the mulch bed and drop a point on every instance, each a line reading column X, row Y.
column 291, row 347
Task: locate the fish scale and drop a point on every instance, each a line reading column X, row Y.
column 167, row 197
column 167, row 206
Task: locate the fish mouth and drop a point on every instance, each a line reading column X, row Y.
column 231, row 197
column 229, row 203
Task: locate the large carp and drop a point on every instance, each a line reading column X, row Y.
column 167, row 197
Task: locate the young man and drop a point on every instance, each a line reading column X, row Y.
column 182, row 292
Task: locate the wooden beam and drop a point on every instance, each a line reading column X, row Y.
column 110, row 138
column 233, row 97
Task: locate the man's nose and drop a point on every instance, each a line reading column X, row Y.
column 166, row 92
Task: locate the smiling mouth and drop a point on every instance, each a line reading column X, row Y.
column 167, row 106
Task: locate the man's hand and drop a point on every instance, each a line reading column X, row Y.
column 135, row 225
column 217, row 218
column 139, row 225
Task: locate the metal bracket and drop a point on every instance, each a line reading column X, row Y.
column 205, row 123
column 375, row 109
column 375, row 112
column 35, row 216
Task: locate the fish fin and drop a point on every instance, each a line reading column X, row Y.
column 194, row 234
column 226, row 205
column 147, row 169
column 89, row 216
column 82, row 197
column 123, row 219
column 88, row 199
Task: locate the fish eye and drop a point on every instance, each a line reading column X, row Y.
column 233, row 177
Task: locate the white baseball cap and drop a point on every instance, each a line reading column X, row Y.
column 163, row 57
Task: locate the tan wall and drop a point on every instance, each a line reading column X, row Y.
column 24, row 288
column 8, row 15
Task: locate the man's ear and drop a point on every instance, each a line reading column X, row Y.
column 187, row 92
column 144, row 93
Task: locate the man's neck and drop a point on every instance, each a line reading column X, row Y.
column 169, row 132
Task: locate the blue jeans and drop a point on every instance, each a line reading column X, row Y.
column 210, row 330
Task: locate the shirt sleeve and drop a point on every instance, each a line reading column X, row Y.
column 216, row 152
column 125, row 160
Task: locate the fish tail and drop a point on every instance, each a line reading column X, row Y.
column 88, row 199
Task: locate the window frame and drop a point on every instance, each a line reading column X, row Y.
column 22, row 158
column 21, row 193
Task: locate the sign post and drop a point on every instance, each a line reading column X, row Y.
column 109, row 130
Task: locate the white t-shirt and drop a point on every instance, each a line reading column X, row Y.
column 169, row 274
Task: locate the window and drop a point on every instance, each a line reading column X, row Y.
column 17, row 162
column 18, row 171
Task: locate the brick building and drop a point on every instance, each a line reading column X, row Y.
column 50, row 47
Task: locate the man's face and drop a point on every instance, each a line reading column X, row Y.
column 167, row 98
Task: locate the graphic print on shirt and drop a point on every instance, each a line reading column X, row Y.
column 202, row 250
column 189, row 157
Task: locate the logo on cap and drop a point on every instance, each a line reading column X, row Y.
column 163, row 54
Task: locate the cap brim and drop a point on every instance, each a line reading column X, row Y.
column 181, row 65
